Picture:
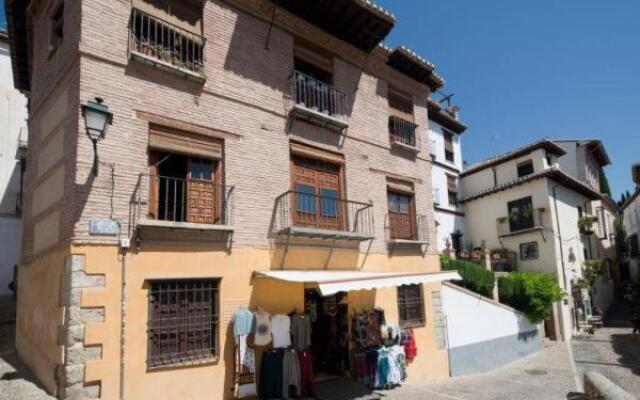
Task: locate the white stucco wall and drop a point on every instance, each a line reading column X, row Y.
column 448, row 222
column 473, row 319
column 13, row 115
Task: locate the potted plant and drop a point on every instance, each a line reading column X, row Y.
column 585, row 223
column 591, row 269
column 503, row 220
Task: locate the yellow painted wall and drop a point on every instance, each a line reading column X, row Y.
column 212, row 380
column 40, row 314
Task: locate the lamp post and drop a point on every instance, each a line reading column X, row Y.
column 96, row 120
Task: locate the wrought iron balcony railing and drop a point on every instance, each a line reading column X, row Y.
column 318, row 97
column 520, row 222
column 179, row 200
column 165, row 44
column 408, row 227
column 403, row 132
column 311, row 215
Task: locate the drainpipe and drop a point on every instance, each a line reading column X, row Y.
column 123, row 314
column 564, row 274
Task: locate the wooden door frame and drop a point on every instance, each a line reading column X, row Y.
column 413, row 218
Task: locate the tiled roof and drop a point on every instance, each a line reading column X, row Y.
column 520, row 151
column 551, row 173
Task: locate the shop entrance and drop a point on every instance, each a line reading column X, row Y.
column 330, row 333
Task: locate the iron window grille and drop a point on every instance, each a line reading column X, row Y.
column 411, row 305
column 183, row 322
column 529, row 251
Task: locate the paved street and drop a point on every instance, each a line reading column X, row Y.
column 612, row 350
column 15, row 380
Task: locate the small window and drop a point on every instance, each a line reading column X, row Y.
column 329, row 202
column 525, row 168
column 57, row 28
column 306, row 198
column 448, row 146
column 452, row 190
column 183, row 321
column 411, row 305
column 529, row 251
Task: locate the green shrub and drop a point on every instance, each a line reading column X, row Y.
column 533, row 293
column 474, row 277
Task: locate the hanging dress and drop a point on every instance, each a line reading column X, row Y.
column 245, row 356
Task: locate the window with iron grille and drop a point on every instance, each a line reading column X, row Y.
column 57, row 27
column 183, row 321
column 529, row 251
column 411, row 305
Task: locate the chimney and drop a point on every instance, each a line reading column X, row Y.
column 454, row 111
column 635, row 173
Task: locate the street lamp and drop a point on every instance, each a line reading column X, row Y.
column 96, row 120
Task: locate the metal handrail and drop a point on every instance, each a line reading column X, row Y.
column 170, row 200
column 318, row 96
column 166, row 42
column 403, row 131
column 418, row 228
column 507, row 225
column 342, row 215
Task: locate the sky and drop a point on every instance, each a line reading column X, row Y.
column 524, row 70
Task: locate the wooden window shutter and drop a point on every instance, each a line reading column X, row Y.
column 313, row 54
column 452, row 184
column 400, row 105
column 448, row 141
column 316, row 153
column 184, row 142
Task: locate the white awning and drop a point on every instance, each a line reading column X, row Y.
column 331, row 282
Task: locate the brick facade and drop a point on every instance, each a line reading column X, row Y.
column 245, row 97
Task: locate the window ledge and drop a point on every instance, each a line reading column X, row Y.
column 407, row 147
column 408, row 241
column 186, row 364
column 413, row 324
column 153, row 223
column 301, row 112
column 166, row 66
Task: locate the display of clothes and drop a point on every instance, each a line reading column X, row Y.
column 281, row 331
column 301, row 331
column 244, row 350
column 378, row 357
column 263, row 327
column 409, row 342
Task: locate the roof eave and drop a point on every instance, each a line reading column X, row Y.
column 15, row 12
column 442, row 117
column 552, row 173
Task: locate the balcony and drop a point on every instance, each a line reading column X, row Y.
column 314, row 216
column 408, row 228
column 168, row 203
column 166, row 46
column 521, row 223
column 402, row 133
column 318, row 102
